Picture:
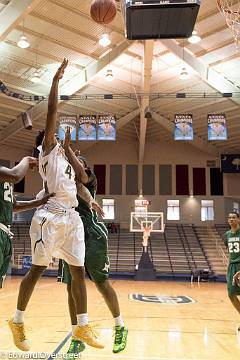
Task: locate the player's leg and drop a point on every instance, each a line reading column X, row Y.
column 5, row 255
column 73, row 252
column 41, row 234
column 233, row 290
column 97, row 265
column 235, row 301
column 76, row 346
column 16, row 324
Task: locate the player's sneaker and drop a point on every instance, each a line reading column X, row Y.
column 120, row 340
column 19, row 337
column 88, row 336
column 75, row 348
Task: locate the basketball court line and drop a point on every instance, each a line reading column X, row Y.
column 16, row 292
column 60, row 345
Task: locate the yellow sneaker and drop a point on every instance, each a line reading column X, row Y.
column 87, row 335
column 19, row 337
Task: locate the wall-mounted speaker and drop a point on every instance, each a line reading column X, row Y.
column 27, row 121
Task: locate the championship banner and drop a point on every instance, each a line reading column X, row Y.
column 230, row 163
column 106, row 127
column 67, row 121
column 183, row 127
column 217, row 129
column 87, row 127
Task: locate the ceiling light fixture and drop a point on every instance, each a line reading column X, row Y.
column 109, row 75
column 23, row 42
column 104, row 41
column 184, row 75
column 36, row 77
column 195, row 38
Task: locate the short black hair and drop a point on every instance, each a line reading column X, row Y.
column 234, row 213
column 83, row 160
column 39, row 138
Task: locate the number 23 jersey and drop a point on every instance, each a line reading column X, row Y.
column 233, row 243
column 59, row 175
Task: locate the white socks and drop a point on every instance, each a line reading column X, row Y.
column 73, row 328
column 82, row 319
column 18, row 317
column 119, row 321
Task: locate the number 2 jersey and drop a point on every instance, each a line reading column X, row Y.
column 232, row 241
column 59, row 175
column 6, row 203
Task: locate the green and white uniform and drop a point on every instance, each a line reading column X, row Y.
column 6, row 210
column 96, row 240
column 233, row 243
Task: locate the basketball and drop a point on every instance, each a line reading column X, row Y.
column 103, row 11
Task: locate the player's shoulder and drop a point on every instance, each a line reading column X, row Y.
column 228, row 233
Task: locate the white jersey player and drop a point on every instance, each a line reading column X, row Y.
column 56, row 228
column 59, row 175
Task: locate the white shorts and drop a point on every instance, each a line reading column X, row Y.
column 57, row 234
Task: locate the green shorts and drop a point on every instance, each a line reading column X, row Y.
column 5, row 255
column 232, row 269
column 96, row 255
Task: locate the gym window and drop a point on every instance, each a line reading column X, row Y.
column 207, row 211
column 236, row 207
column 173, row 210
column 108, row 208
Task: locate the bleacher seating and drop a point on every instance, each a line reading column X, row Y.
column 181, row 249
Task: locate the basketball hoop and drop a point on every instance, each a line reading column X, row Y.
column 231, row 11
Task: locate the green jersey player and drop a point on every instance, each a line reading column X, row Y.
column 8, row 204
column 233, row 243
column 96, row 255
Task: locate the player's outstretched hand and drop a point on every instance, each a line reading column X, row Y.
column 67, row 140
column 33, row 162
column 98, row 208
column 236, row 279
column 60, row 72
column 77, row 152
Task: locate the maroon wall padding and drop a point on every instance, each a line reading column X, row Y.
column 216, row 182
column 199, row 181
column 100, row 172
column 182, row 184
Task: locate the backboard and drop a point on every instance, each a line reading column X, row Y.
column 153, row 221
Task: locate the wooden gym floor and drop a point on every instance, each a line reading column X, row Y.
column 203, row 330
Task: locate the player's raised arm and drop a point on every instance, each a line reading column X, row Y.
column 80, row 173
column 18, row 172
column 49, row 140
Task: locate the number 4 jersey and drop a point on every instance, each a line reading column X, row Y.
column 233, row 243
column 59, row 175
column 6, row 203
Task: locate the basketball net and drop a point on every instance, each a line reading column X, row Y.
column 231, row 11
column 146, row 235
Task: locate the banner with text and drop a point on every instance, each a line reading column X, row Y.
column 183, row 127
column 217, row 129
column 64, row 122
column 87, row 127
column 106, row 127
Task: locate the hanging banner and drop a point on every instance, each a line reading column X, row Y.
column 67, row 121
column 217, row 129
column 87, row 127
column 106, row 127
column 183, row 127
column 230, row 163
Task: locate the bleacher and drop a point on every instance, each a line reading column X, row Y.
column 180, row 250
